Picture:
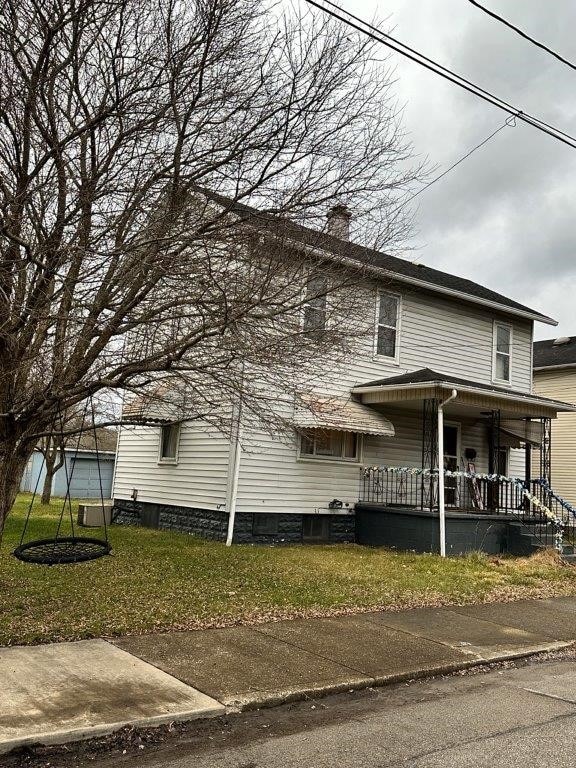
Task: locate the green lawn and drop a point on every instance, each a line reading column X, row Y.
column 159, row 580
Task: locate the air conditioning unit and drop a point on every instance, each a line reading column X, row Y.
column 91, row 516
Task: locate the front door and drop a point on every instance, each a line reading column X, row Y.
column 451, row 463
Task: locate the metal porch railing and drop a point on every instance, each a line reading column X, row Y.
column 547, row 517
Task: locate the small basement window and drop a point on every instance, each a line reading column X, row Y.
column 265, row 525
column 169, row 443
column 315, row 528
column 330, row 444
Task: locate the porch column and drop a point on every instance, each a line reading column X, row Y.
column 429, row 451
column 546, row 451
column 493, row 454
column 527, row 458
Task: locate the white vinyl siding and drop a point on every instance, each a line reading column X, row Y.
column 517, row 463
column 198, row 480
column 440, row 333
column 272, row 480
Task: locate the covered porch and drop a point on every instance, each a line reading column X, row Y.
column 482, row 479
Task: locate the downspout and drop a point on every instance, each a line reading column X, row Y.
column 236, row 450
column 441, row 505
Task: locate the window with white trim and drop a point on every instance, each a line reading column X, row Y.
column 169, row 441
column 315, row 305
column 502, row 359
column 387, row 316
column 330, row 444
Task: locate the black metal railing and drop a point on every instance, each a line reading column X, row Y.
column 545, row 516
column 559, row 507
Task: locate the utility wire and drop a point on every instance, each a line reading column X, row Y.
column 410, row 53
column 523, row 34
column 509, row 122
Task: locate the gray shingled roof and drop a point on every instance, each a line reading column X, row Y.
column 434, row 278
column 428, row 376
column 547, row 354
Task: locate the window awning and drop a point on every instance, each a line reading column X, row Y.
column 343, row 416
column 516, row 431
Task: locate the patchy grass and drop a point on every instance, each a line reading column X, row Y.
column 159, row 580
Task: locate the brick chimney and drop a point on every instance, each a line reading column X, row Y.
column 338, row 224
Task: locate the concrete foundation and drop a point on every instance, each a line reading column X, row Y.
column 418, row 530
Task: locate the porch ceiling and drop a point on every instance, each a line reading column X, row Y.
column 473, row 397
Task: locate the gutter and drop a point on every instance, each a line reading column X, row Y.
column 537, row 368
column 233, row 473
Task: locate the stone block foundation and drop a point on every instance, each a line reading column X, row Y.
column 258, row 528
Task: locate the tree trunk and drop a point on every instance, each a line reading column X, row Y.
column 50, row 464
column 12, row 465
column 47, row 487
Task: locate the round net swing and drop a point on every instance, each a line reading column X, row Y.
column 71, row 548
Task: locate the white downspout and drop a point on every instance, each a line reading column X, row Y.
column 441, row 505
column 236, row 449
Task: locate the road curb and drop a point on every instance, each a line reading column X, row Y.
column 274, row 699
column 277, row 698
column 75, row 735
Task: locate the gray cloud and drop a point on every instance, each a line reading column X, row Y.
column 506, row 215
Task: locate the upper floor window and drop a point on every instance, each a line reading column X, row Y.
column 315, row 304
column 502, row 353
column 387, row 318
column 169, row 440
column 330, row 444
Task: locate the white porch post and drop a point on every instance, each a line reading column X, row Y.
column 441, row 505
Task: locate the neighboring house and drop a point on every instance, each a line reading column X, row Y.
column 83, row 469
column 433, row 333
column 555, row 376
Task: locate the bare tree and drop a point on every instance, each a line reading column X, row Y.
column 116, row 269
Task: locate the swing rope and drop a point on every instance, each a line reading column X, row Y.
column 99, row 469
column 67, row 549
column 67, row 497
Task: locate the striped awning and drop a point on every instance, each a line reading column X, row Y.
column 342, row 415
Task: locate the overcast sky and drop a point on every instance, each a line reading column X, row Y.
column 506, row 216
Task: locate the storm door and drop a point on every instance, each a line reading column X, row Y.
column 451, row 463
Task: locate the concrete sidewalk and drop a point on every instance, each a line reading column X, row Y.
column 67, row 691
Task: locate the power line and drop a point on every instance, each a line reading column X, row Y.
column 509, row 122
column 523, row 34
column 410, row 53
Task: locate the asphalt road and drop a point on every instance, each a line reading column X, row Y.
column 514, row 717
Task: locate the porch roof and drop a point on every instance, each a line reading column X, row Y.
column 343, row 416
column 426, row 383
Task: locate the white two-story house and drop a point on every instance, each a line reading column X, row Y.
column 435, row 337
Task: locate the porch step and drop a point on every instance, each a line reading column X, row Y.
column 526, row 539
